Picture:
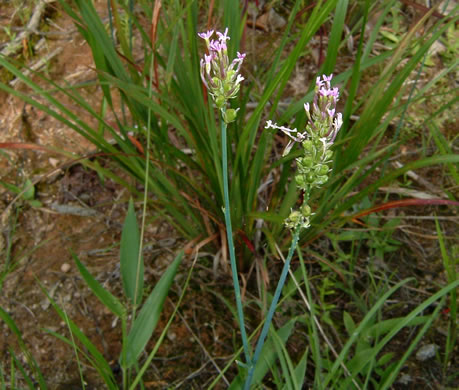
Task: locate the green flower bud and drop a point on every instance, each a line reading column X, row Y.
column 309, row 147
column 234, row 93
column 328, row 155
column 310, row 178
column 300, row 181
column 227, row 87
column 220, row 101
column 321, row 169
column 307, row 162
column 323, row 129
column 217, row 82
column 305, row 165
column 229, row 115
column 305, row 210
column 319, row 180
column 293, row 219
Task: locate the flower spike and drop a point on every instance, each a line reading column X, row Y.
column 321, row 130
column 221, row 78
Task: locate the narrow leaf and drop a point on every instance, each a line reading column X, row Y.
column 131, row 264
column 268, row 356
column 145, row 323
column 109, row 300
column 29, row 190
column 99, row 362
column 405, row 203
column 10, row 323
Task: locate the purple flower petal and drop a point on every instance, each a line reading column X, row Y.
column 223, row 37
column 217, row 46
column 206, row 35
column 208, row 58
column 319, row 82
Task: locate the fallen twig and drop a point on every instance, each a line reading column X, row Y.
column 39, row 64
column 17, row 43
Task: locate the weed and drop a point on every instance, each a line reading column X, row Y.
column 167, row 136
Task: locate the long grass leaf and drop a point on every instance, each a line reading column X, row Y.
column 164, row 332
column 92, row 362
column 100, row 363
column 404, row 322
column 268, row 357
column 288, row 369
column 384, row 93
column 146, row 321
column 109, row 300
column 335, row 36
column 23, row 371
column 395, row 370
column 29, row 358
column 132, row 270
column 332, row 374
column 394, row 174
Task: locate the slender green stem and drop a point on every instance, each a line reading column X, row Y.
column 127, row 377
column 67, row 322
column 272, row 308
column 123, row 350
column 229, row 234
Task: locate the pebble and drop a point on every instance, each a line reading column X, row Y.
column 426, row 352
column 65, row 267
column 53, row 161
column 171, row 335
column 405, row 379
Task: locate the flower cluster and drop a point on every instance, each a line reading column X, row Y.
column 221, row 78
column 321, row 130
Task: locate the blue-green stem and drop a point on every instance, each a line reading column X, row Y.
column 272, row 308
column 229, row 235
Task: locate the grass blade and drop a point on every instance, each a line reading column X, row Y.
column 132, row 270
column 145, row 323
column 99, row 363
column 109, row 300
column 333, row 373
column 268, row 357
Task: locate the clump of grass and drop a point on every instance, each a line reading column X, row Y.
column 167, row 138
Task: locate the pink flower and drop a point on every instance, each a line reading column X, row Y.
column 206, row 35
column 223, row 37
column 217, row 46
column 221, row 78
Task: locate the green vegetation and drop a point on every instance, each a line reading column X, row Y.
column 343, row 315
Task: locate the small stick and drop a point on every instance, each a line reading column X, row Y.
column 16, row 44
column 39, row 64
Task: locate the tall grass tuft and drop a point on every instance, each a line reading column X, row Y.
column 166, row 136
